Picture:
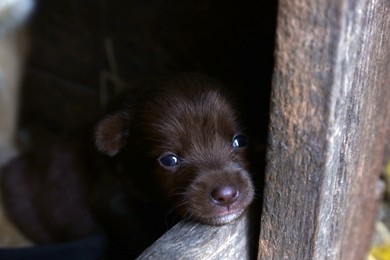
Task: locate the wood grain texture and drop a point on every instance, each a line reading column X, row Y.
column 190, row 240
column 330, row 117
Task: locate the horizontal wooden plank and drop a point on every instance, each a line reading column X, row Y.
column 330, row 117
column 191, row 240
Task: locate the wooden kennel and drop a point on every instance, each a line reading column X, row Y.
column 326, row 111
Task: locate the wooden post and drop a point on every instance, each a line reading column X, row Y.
column 330, row 118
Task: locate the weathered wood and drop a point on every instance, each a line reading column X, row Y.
column 190, row 240
column 330, row 115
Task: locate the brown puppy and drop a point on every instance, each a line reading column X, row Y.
column 190, row 134
column 180, row 138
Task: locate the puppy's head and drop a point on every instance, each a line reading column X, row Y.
column 192, row 133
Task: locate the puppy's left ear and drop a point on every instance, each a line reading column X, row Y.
column 110, row 133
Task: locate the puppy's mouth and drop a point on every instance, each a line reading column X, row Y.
column 224, row 204
column 217, row 215
column 226, row 201
column 226, row 217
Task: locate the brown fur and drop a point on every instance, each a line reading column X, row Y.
column 68, row 189
column 44, row 193
column 190, row 117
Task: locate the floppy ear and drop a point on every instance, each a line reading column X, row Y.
column 110, row 133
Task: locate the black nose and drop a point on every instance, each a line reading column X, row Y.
column 225, row 195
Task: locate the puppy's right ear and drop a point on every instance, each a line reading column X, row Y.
column 110, row 134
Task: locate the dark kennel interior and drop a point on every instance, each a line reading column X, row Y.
column 78, row 49
column 70, row 57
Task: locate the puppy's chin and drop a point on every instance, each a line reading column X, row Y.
column 216, row 216
column 203, row 200
column 224, row 219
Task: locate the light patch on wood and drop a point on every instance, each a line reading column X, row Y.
column 190, row 240
column 13, row 47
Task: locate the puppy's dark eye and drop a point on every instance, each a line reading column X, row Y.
column 239, row 141
column 169, row 160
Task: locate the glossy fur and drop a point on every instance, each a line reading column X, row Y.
column 69, row 189
column 191, row 118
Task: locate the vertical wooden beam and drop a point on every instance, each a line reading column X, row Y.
column 330, row 118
